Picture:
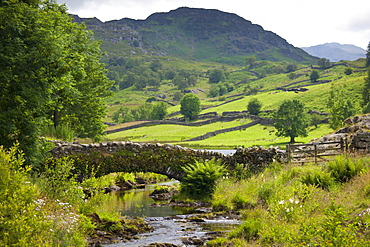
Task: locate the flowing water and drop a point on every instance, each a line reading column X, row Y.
column 170, row 223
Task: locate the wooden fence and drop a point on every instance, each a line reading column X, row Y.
column 315, row 152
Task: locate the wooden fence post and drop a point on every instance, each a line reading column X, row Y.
column 315, row 147
column 288, row 152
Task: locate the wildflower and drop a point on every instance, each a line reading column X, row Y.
column 281, row 202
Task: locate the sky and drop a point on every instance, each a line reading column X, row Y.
column 302, row 23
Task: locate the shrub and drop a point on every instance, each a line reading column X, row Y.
column 57, row 182
column 200, row 179
column 342, row 169
column 336, row 228
column 240, row 172
column 240, row 202
column 317, row 177
column 254, row 106
column 123, row 177
column 20, row 223
column 248, row 230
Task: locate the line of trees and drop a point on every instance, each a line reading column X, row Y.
column 148, row 111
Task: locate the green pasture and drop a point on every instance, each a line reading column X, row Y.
column 258, row 135
column 171, row 133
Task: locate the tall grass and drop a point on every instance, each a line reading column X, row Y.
column 300, row 205
column 63, row 132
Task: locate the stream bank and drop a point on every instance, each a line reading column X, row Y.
column 164, row 223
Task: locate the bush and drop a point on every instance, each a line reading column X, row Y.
column 336, row 228
column 254, row 106
column 317, row 177
column 200, row 179
column 248, row 230
column 21, row 224
column 343, row 168
column 57, row 182
column 240, row 202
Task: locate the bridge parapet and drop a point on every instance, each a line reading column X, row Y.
column 165, row 159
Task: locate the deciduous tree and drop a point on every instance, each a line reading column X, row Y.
column 254, row 106
column 324, row 63
column 216, row 75
column 340, row 107
column 291, row 120
column 190, row 106
column 314, row 76
column 50, row 74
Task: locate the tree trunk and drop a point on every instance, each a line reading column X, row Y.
column 56, row 118
column 292, row 139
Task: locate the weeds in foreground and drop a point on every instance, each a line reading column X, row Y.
column 291, row 205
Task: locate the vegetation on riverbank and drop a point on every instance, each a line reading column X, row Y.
column 290, row 205
column 50, row 208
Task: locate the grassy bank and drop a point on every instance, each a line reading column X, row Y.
column 288, row 205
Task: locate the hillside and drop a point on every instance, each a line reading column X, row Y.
column 273, row 90
column 336, row 52
column 196, row 34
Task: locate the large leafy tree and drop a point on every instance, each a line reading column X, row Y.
column 291, row 120
column 366, row 93
column 340, row 107
column 190, row 106
column 50, row 74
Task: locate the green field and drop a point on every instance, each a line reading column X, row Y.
column 314, row 98
column 257, row 135
column 171, row 133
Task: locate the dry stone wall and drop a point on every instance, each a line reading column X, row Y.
column 166, row 158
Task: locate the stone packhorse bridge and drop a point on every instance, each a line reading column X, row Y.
column 104, row 158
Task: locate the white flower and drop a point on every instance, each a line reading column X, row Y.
column 281, row 202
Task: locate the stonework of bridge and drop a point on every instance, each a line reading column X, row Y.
column 166, row 159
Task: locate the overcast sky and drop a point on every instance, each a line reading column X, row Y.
column 301, row 22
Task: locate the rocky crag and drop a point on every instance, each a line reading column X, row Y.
column 194, row 34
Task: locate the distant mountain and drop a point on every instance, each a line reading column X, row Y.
column 192, row 33
column 336, row 52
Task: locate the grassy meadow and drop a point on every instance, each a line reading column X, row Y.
column 314, row 98
column 291, row 205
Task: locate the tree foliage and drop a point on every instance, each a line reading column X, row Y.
column 190, row 106
column 291, row 120
column 366, row 90
column 368, row 55
column 324, row 63
column 254, row 106
column 147, row 111
column 216, row 75
column 50, row 74
column 340, row 107
column 314, row 76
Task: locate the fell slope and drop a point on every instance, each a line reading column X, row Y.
column 191, row 33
